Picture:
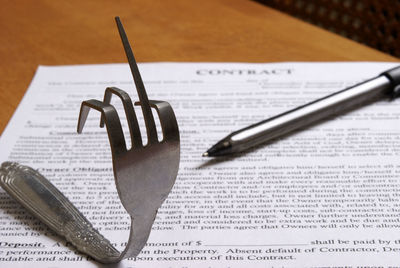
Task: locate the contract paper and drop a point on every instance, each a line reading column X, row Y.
column 325, row 196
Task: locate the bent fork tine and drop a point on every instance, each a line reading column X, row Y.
column 136, row 138
column 110, row 115
column 147, row 114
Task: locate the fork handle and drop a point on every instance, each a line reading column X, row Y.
column 140, row 231
column 40, row 197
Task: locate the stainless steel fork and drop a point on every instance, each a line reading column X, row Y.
column 144, row 174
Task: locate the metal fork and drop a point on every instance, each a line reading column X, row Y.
column 144, row 174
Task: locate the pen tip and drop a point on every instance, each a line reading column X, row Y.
column 205, row 154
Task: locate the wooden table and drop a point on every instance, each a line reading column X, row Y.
column 48, row 32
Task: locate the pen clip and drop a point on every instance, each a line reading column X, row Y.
column 395, row 93
column 394, row 76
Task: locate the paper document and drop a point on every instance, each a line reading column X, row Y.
column 324, row 196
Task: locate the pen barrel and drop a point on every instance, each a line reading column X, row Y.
column 312, row 112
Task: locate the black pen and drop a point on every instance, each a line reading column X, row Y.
column 385, row 84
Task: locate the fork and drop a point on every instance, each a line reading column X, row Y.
column 144, row 174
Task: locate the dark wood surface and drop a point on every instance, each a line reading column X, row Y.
column 48, row 32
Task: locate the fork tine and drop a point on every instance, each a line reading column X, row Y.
column 147, row 114
column 136, row 138
column 167, row 118
column 110, row 115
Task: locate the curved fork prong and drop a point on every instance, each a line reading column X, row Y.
column 110, row 115
column 134, row 130
column 147, row 115
column 167, row 117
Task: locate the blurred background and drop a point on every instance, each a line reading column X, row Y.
column 375, row 23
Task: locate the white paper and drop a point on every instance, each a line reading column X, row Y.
column 326, row 196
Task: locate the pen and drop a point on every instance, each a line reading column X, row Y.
column 385, row 84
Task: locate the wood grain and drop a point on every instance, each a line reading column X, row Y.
column 48, row 32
